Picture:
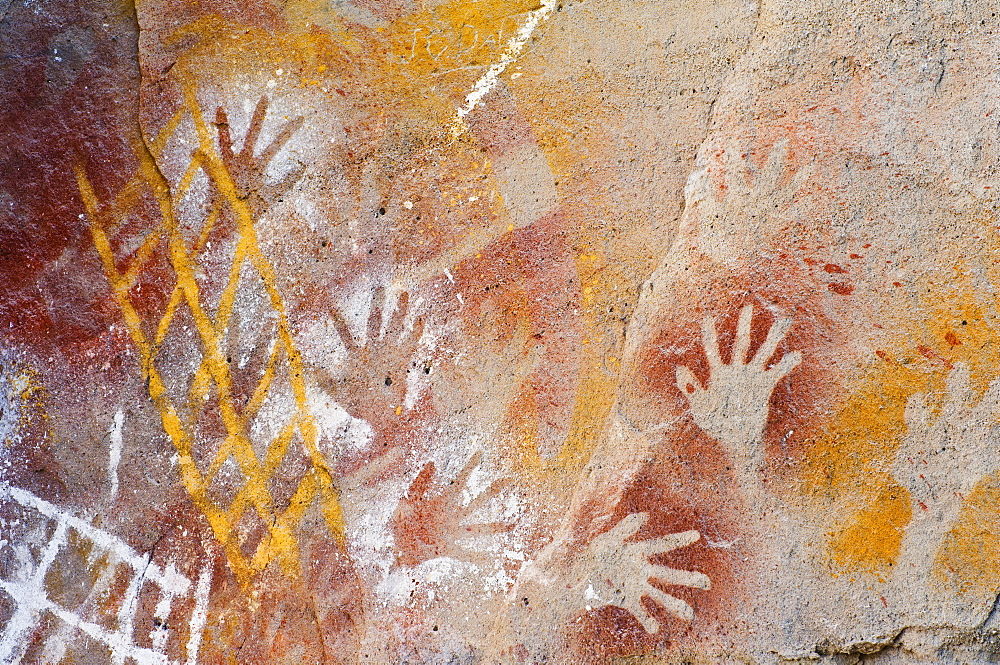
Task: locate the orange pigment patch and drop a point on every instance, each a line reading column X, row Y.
column 966, row 562
column 872, row 540
column 520, row 433
column 848, row 465
column 600, row 364
column 449, row 43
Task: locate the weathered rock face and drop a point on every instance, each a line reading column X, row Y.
column 499, row 332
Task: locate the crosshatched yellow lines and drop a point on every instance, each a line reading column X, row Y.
column 213, row 374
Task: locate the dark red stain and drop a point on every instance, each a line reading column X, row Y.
column 51, row 111
column 931, row 354
column 841, row 289
column 952, row 338
column 833, row 268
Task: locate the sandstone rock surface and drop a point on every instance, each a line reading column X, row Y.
column 481, row 331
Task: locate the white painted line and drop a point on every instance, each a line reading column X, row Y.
column 160, row 633
column 121, row 645
column 169, row 580
column 31, row 599
column 127, row 611
column 199, row 615
column 115, row 451
column 515, row 45
column 29, row 593
column 56, row 644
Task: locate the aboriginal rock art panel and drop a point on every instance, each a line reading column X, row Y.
column 454, row 331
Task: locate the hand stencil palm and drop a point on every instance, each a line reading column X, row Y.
column 247, row 170
column 939, row 462
column 372, row 381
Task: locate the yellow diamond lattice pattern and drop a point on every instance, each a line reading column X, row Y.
column 213, row 374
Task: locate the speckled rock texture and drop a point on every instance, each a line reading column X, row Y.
column 499, row 331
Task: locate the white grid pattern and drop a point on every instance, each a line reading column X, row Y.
column 32, row 601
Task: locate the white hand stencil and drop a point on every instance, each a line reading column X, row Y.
column 942, row 459
column 619, row 572
column 733, row 407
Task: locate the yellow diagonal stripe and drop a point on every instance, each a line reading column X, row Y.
column 279, row 544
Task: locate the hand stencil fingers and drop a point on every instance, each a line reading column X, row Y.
column 687, row 382
column 279, row 142
column 988, row 408
column 960, row 394
column 495, row 488
column 421, row 484
column 742, row 343
column 278, row 190
column 399, row 309
column 375, row 315
column 674, row 577
column 343, row 331
column 796, row 183
column 225, row 138
column 669, row 542
column 372, row 471
column 710, row 340
column 256, row 124
column 499, row 485
column 627, row 528
column 774, row 337
column 675, row 606
column 418, row 331
column 789, row 362
column 484, row 529
column 733, row 406
column 648, row 621
column 462, row 478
